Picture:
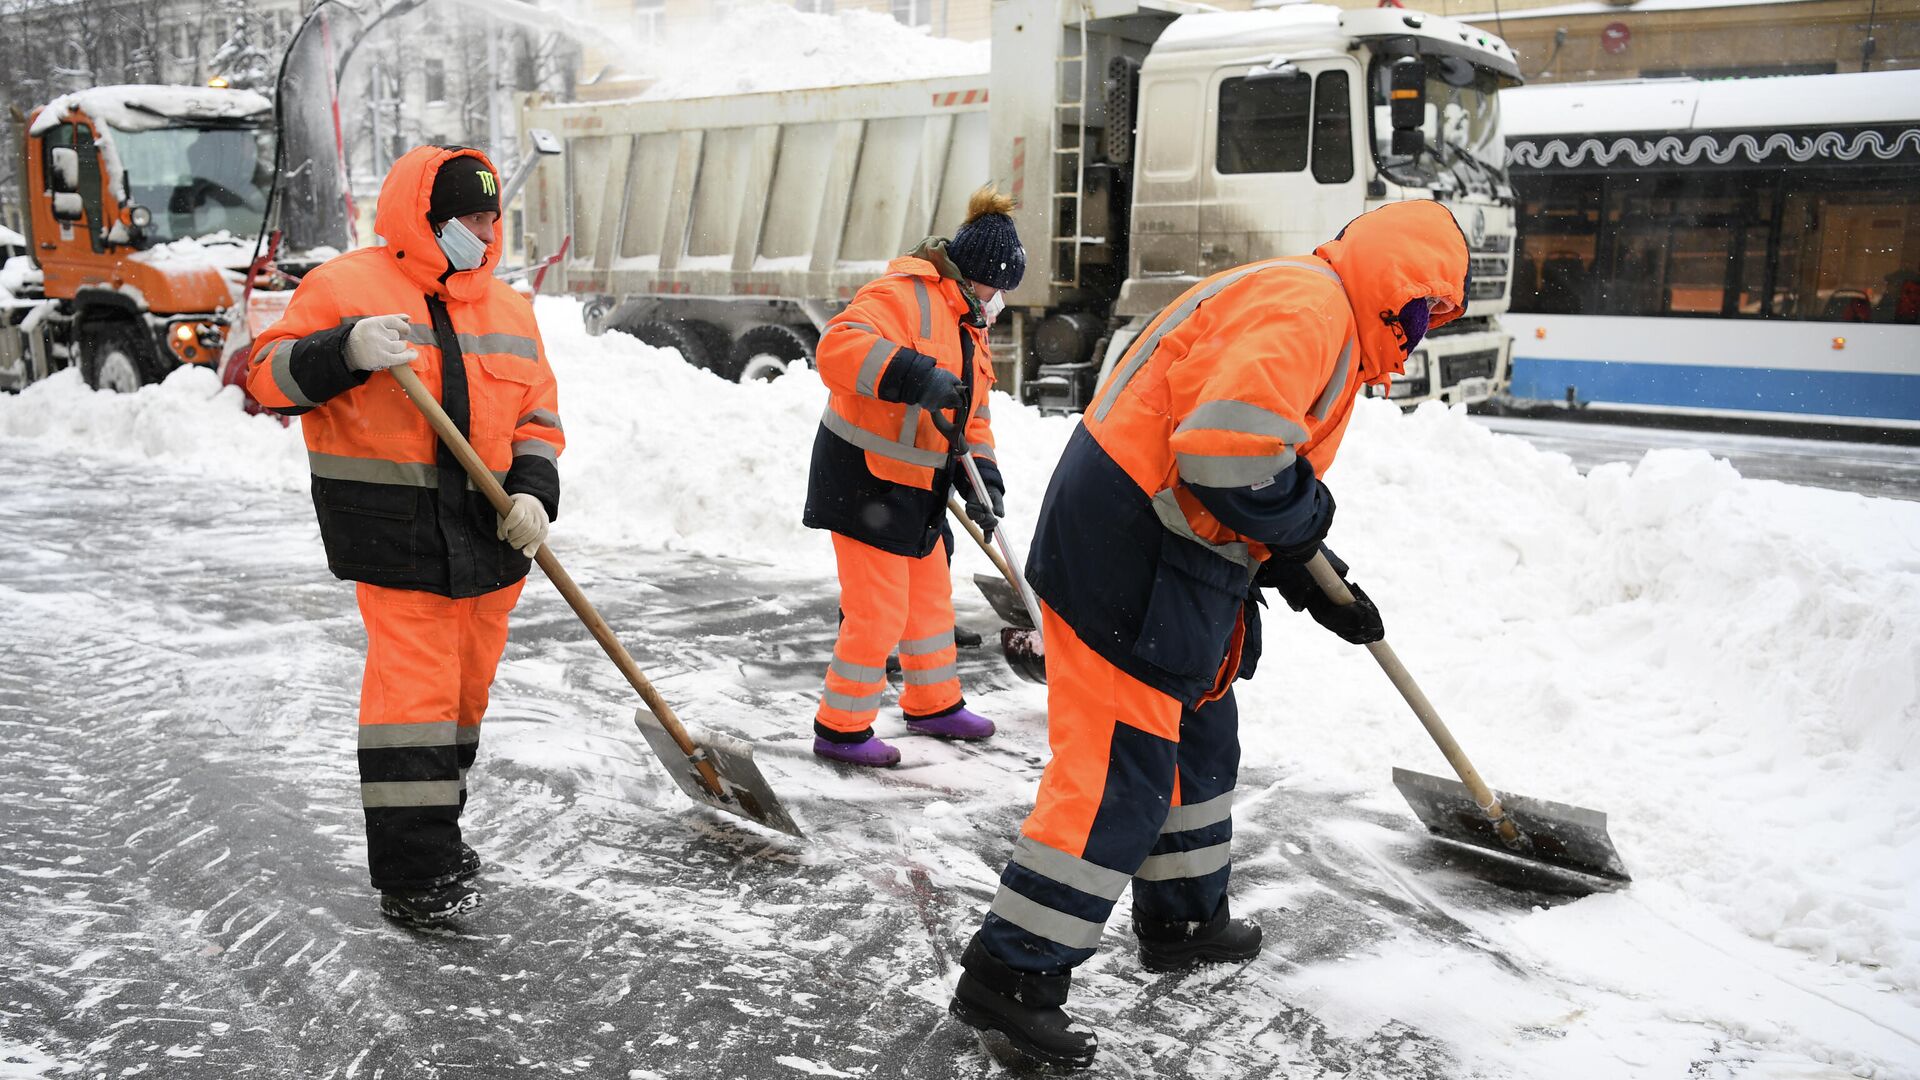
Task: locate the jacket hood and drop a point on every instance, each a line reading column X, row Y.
column 401, row 220
column 1387, row 257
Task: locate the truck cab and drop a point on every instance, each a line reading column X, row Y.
column 1261, row 134
column 142, row 208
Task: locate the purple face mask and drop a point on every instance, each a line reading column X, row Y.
column 1413, row 321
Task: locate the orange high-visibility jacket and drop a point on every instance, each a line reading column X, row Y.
column 395, row 508
column 881, row 469
column 1243, row 385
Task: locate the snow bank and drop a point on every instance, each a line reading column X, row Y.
column 1730, row 668
column 791, row 50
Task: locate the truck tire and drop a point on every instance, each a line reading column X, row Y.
column 766, row 352
column 683, row 336
column 116, row 355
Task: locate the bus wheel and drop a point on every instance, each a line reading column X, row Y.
column 682, row 336
column 115, row 355
column 765, row 352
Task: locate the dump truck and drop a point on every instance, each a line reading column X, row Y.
column 1149, row 145
column 141, row 208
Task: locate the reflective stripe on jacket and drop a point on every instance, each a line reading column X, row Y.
column 881, row 470
column 1246, row 374
column 395, row 508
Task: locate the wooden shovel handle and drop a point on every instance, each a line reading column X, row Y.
column 960, row 514
column 502, row 504
column 1489, row 803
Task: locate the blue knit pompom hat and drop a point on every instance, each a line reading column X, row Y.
column 987, row 248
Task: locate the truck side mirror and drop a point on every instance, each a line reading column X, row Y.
column 1407, row 105
column 65, row 169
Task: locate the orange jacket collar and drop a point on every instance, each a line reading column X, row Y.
column 1387, row 257
column 949, row 290
column 401, row 220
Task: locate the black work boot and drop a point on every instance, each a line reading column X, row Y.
column 469, row 863
column 964, row 638
column 1023, row 1007
column 1181, row 946
column 429, row 907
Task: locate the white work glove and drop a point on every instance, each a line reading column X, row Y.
column 525, row 526
column 378, row 343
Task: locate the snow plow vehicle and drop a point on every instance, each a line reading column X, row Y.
column 1149, row 145
column 142, row 204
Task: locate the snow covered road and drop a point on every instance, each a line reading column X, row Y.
column 1729, row 667
column 184, row 865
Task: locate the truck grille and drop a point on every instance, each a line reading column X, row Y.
column 1473, row 365
column 1488, row 266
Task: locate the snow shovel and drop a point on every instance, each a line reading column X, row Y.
column 1025, row 650
column 1000, row 591
column 714, row 769
column 1467, row 811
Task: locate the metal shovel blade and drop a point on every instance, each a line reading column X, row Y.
column 1568, row 838
column 747, row 792
column 1026, row 653
column 1006, row 602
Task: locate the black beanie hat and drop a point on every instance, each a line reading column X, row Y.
column 464, row 185
column 987, row 248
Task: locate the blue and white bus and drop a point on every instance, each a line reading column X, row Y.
column 1747, row 247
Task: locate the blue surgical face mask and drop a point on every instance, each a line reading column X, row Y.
column 464, row 251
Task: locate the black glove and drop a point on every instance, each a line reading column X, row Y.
column 1358, row 622
column 942, row 390
column 987, row 512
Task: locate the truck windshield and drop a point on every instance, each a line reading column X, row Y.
column 1464, row 150
column 198, row 181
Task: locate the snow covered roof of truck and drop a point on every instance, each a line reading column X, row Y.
column 141, row 108
column 1851, row 98
column 1296, row 27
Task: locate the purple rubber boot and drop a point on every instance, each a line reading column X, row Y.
column 961, row 723
column 872, row 753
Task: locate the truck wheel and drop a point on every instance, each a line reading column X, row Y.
column 115, row 355
column 765, row 352
column 683, row 336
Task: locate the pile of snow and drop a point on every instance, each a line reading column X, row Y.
column 222, row 250
column 761, row 48
column 1730, row 668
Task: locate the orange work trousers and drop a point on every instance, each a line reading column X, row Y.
column 888, row 600
column 1139, row 792
column 430, row 665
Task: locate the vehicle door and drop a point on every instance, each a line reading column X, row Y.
column 1281, row 172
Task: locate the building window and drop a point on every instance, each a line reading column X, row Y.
column 816, row 7
column 436, row 79
column 648, row 15
column 916, row 13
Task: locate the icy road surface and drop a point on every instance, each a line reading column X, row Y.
column 183, row 895
column 1882, row 469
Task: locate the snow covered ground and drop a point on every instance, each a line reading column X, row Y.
column 1729, row 667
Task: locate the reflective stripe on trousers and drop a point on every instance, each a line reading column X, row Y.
column 1139, row 791
column 430, row 666
column 889, row 600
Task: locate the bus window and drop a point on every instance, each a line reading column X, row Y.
column 1816, row 244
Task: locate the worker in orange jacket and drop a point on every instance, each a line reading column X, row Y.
column 910, row 350
column 437, row 570
column 1194, row 478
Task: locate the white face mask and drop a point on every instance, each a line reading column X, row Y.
column 464, row 251
column 992, row 308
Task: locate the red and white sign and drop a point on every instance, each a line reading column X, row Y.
column 1615, row 37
